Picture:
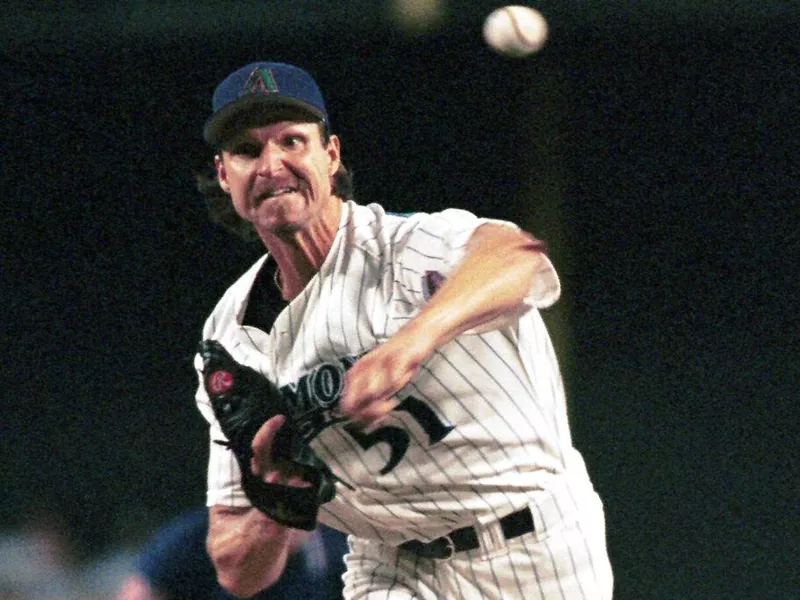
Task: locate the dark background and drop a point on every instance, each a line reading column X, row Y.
column 655, row 149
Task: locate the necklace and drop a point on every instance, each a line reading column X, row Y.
column 277, row 279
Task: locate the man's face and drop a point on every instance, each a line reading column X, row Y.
column 280, row 175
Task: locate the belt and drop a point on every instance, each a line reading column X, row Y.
column 466, row 538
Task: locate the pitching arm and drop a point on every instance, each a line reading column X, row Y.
column 493, row 279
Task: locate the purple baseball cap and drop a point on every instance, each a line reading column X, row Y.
column 258, row 90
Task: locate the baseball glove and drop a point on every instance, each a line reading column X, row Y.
column 242, row 400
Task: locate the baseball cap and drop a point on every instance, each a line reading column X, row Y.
column 257, row 90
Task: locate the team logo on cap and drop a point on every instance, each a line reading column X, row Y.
column 261, row 81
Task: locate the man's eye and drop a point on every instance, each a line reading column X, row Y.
column 292, row 141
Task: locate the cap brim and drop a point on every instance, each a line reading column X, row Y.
column 255, row 111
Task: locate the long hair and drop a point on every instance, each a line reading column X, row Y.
column 221, row 211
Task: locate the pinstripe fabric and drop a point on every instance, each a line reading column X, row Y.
column 482, row 431
column 566, row 560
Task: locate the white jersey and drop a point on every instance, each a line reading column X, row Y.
column 478, row 432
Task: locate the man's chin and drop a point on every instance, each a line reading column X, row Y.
column 282, row 215
column 285, row 229
column 276, row 225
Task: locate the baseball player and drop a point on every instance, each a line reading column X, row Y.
column 414, row 365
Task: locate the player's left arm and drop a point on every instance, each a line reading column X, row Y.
column 494, row 277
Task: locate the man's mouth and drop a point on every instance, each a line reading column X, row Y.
column 268, row 194
column 281, row 191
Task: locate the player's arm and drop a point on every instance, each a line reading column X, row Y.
column 248, row 549
column 493, row 278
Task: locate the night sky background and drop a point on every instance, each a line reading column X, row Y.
column 655, row 150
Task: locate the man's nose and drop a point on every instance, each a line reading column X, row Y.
column 270, row 160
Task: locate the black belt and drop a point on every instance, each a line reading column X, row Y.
column 466, row 538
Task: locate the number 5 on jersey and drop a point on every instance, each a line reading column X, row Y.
column 398, row 438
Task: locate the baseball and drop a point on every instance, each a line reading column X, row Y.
column 515, row 31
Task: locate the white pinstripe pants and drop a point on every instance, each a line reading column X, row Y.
column 565, row 558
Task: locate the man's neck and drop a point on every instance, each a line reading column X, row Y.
column 301, row 253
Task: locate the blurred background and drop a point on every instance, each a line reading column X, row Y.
column 653, row 145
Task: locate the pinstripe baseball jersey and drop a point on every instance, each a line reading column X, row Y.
column 481, row 429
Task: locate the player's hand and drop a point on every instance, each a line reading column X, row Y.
column 371, row 383
column 262, row 463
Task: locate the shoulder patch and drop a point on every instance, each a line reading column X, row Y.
column 431, row 282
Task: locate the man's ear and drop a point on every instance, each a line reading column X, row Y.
column 222, row 174
column 334, row 154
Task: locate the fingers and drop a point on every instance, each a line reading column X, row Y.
column 370, row 414
column 366, row 398
column 371, row 383
column 262, row 465
column 262, row 441
column 297, row 481
column 285, row 477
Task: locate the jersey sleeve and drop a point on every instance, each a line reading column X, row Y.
column 433, row 245
column 224, row 478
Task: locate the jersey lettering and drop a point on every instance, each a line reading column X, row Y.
column 397, row 438
column 315, row 396
column 427, row 419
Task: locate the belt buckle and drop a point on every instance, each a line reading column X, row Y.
column 450, row 548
